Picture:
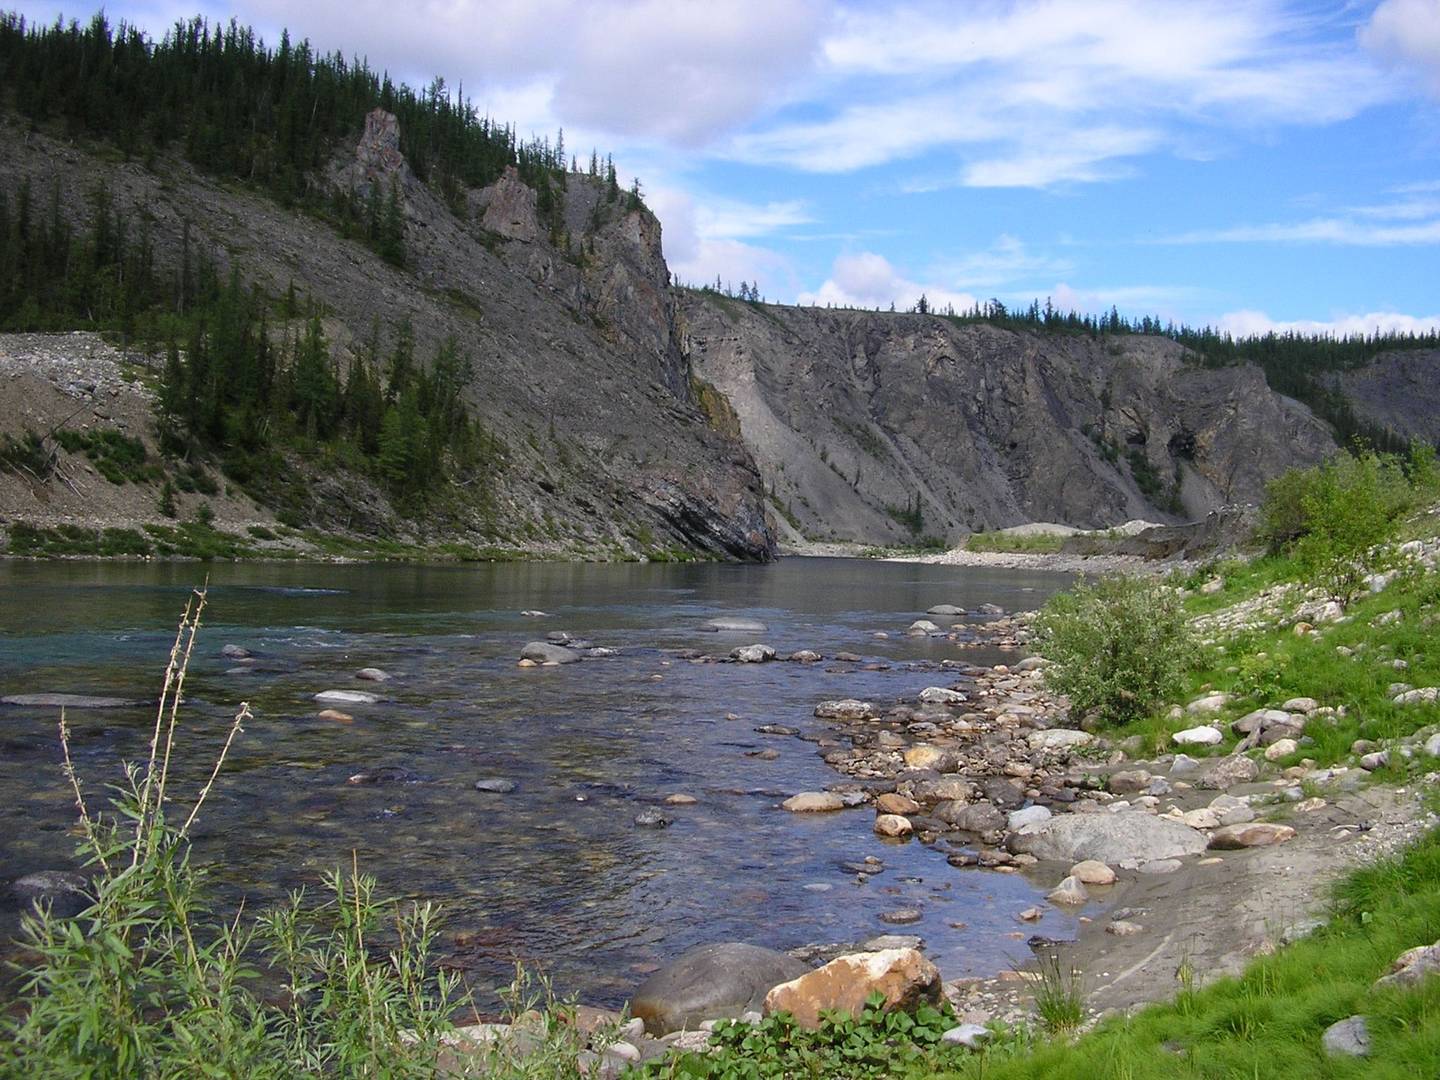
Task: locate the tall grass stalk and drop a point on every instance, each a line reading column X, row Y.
column 149, row 981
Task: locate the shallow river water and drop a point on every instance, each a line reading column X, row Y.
column 555, row 873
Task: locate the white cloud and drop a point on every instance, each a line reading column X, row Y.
column 1247, row 323
column 1407, row 33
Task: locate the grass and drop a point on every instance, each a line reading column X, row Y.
column 1060, row 996
column 1347, row 665
column 1267, row 1023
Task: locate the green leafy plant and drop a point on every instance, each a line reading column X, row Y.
column 1120, row 646
column 879, row 1042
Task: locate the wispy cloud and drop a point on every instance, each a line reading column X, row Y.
column 1043, row 92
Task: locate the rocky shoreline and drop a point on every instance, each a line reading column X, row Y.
column 982, row 766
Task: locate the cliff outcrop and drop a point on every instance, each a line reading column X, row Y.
column 882, row 427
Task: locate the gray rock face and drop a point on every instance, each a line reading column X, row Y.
column 989, row 427
column 345, row 697
column 711, row 981
column 544, row 652
column 1126, row 837
column 608, row 435
column 1399, row 390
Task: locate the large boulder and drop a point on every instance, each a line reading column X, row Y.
column 973, row 817
column 545, row 652
column 903, row 976
column 844, row 709
column 722, row 980
column 1230, row 771
column 1129, row 837
column 64, row 893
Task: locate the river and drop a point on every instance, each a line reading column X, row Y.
column 555, row 873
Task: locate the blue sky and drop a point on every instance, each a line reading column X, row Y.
column 1247, row 164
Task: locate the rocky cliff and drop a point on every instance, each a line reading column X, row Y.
column 881, row 428
column 578, row 367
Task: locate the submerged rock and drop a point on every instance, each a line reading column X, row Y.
column 64, row 892
column 730, row 624
column 545, row 652
column 345, row 697
column 66, row 701
column 495, row 785
column 651, row 819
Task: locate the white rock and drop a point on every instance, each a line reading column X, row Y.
column 971, row 1036
column 1207, row 705
column 1305, row 705
column 1058, row 739
column 1349, row 1038
column 939, row 695
column 1205, row 735
column 811, row 802
column 1426, row 695
column 1281, row 748
column 1092, row 872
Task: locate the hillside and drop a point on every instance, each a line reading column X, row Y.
column 577, row 373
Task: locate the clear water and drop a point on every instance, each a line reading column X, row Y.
column 556, row 873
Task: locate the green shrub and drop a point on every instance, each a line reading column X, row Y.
column 1353, row 500
column 1349, row 506
column 877, row 1043
column 1120, row 646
